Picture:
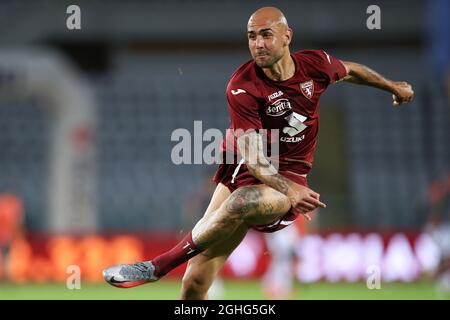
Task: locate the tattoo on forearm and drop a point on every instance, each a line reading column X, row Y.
column 261, row 168
column 361, row 74
column 370, row 75
column 276, row 181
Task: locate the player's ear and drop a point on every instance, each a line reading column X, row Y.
column 288, row 36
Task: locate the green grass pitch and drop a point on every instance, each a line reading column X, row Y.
column 167, row 289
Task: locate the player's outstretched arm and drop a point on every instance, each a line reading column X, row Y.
column 402, row 92
column 251, row 148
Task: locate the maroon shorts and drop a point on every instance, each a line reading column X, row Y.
column 243, row 178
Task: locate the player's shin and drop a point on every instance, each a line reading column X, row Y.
column 209, row 231
column 182, row 252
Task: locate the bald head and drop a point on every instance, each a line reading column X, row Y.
column 268, row 16
column 269, row 36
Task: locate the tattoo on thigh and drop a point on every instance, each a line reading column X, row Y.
column 267, row 208
column 281, row 202
column 244, row 200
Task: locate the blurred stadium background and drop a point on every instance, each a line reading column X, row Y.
column 86, row 118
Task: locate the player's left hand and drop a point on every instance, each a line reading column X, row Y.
column 402, row 93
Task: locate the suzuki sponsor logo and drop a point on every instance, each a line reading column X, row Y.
column 292, row 139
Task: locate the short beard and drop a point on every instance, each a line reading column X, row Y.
column 269, row 63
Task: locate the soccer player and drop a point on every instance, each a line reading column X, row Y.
column 277, row 89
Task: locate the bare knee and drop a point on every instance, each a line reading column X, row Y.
column 195, row 286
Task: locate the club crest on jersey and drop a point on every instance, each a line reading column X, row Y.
column 278, row 107
column 307, row 89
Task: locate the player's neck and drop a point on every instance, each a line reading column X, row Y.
column 282, row 70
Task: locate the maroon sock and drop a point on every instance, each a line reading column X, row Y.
column 182, row 252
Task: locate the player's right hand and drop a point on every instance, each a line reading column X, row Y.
column 304, row 200
column 402, row 93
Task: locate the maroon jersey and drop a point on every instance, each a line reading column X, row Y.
column 292, row 106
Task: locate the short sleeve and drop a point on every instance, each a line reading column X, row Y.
column 328, row 66
column 243, row 109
